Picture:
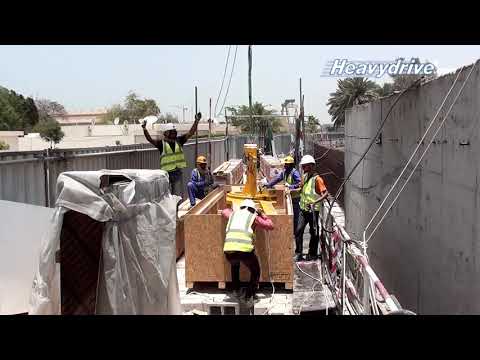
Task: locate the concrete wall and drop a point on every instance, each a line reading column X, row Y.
column 31, row 144
column 427, row 251
column 11, row 138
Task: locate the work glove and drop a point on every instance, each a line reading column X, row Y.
column 198, row 116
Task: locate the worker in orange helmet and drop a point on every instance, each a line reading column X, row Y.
column 201, row 179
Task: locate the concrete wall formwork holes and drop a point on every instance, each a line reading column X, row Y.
column 427, row 250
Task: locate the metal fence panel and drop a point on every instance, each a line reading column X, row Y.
column 23, row 174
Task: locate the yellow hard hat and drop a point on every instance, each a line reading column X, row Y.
column 288, row 160
column 201, row 159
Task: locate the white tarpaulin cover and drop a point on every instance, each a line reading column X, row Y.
column 137, row 273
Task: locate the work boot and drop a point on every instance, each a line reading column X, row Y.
column 298, row 258
column 236, row 294
column 312, row 257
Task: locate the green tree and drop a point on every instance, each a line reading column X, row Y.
column 133, row 109
column 50, row 130
column 168, row 118
column 350, row 91
column 259, row 124
column 48, row 109
column 16, row 112
column 403, row 81
column 312, row 124
column 385, row 90
column 4, row 145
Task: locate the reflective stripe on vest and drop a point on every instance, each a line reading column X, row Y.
column 239, row 233
column 309, row 195
column 171, row 160
column 289, row 181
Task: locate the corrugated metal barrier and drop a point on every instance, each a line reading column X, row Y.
column 24, row 175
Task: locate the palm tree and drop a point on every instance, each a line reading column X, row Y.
column 350, row 91
column 259, row 123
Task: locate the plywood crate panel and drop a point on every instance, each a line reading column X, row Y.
column 204, row 232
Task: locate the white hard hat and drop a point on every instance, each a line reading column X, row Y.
column 307, row 159
column 248, row 203
column 168, row 127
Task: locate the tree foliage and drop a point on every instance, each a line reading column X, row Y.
column 350, row 91
column 271, row 122
column 312, row 124
column 47, row 109
column 4, row 145
column 168, row 118
column 132, row 109
column 403, row 81
column 50, row 130
column 17, row 113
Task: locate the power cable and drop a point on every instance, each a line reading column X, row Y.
column 229, row 80
column 340, row 189
column 424, row 152
column 223, row 80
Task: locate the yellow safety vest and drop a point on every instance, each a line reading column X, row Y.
column 289, row 181
column 308, row 195
column 171, row 160
column 239, row 233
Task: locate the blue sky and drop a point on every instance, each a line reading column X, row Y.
column 84, row 78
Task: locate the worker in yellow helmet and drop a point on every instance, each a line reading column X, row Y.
column 200, row 180
column 291, row 178
column 172, row 158
column 239, row 244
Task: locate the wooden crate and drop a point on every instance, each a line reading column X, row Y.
column 270, row 166
column 229, row 173
column 204, row 234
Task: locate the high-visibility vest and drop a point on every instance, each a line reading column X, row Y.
column 308, row 195
column 239, row 233
column 171, row 160
column 289, row 181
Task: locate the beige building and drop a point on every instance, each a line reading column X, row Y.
column 85, row 135
column 80, row 118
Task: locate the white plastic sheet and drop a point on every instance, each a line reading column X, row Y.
column 138, row 272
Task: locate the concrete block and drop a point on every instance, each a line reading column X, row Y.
column 278, row 309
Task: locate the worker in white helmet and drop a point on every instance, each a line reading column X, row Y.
column 313, row 192
column 172, row 158
column 239, row 243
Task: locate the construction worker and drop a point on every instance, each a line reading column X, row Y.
column 201, row 178
column 313, row 192
column 239, row 243
column 291, row 177
column 172, row 158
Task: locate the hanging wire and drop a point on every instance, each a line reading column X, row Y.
column 223, row 80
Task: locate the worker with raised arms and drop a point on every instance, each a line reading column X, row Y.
column 200, row 181
column 313, row 192
column 291, row 178
column 239, row 244
column 172, row 158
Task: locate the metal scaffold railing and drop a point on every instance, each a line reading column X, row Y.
column 355, row 287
